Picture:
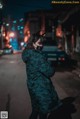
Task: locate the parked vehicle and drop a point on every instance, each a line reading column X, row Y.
column 57, row 56
column 8, row 50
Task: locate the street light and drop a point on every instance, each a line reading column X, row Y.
column 12, row 34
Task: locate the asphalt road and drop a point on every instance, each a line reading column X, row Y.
column 14, row 96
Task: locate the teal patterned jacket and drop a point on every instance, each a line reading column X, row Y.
column 44, row 98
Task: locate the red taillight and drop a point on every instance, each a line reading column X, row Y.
column 62, row 59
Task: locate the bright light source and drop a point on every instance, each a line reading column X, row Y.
column 22, row 43
column 3, row 34
column 11, row 35
column 7, row 24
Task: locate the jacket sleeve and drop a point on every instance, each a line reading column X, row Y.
column 45, row 67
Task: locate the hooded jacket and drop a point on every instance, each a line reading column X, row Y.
column 43, row 95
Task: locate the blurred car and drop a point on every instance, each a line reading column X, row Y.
column 54, row 54
column 7, row 50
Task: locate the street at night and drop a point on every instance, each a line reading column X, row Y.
column 14, row 96
column 39, row 41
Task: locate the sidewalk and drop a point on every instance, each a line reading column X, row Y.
column 76, row 71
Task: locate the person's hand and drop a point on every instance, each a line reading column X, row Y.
column 38, row 43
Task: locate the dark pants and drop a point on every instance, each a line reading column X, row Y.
column 35, row 114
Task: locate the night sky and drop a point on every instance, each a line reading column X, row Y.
column 17, row 8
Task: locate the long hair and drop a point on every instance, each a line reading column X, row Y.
column 32, row 39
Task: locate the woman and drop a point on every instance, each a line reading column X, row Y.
column 44, row 98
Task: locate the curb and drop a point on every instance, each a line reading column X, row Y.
column 17, row 52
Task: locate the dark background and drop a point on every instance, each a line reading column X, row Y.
column 17, row 8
